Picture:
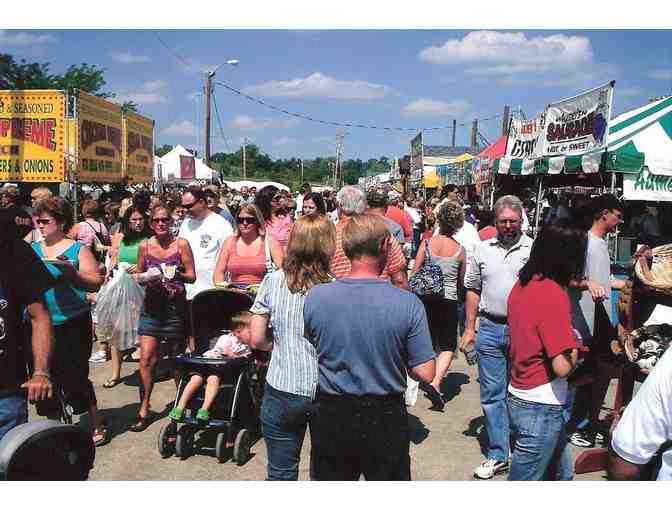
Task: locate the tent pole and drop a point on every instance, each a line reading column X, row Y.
column 537, row 212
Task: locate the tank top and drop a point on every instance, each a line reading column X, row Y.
column 245, row 269
column 161, row 295
column 280, row 229
column 129, row 252
column 450, row 266
column 63, row 301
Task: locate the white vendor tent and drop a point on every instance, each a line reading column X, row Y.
column 170, row 167
column 237, row 185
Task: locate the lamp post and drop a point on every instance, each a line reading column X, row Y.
column 208, row 92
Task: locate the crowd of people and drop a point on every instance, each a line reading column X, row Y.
column 358, row 294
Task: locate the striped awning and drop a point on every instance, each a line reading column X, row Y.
column 639, row 137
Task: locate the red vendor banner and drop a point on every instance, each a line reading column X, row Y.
column 187, row 167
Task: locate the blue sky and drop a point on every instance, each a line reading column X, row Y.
column 395, row 78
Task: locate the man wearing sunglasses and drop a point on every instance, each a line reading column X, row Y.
column 205, row 231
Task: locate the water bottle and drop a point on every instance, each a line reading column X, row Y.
column 470, row 354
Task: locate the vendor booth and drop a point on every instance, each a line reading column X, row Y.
column 180, row 166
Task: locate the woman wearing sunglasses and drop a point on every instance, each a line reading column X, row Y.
column 243, row 259
column 164, row 311
column 277, row 222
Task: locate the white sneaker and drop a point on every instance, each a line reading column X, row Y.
column 98, row 357
column 489, row 468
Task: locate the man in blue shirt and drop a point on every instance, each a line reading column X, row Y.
column 368, row 335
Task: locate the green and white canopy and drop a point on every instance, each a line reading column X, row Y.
column 638, row 138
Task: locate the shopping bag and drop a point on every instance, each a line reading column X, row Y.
column 411, row 395
column 118, row 309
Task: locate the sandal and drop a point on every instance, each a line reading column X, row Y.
column 141, row 423
column 111, row 383
column 434, row 396
column 176, row 414
column 101, row 436
column 202, row 415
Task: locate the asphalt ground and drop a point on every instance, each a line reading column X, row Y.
column 444, row 445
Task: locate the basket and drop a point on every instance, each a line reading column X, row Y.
column 646, row 345
column 661, row 270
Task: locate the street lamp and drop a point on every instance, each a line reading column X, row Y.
column 208, row 92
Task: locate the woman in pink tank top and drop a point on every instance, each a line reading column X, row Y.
column 243, row 259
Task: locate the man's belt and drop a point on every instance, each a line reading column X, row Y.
column 494, row 318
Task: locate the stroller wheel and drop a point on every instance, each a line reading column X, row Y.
column 184, row 445
column 220, row 447
column 167, row 440
column 241, row 447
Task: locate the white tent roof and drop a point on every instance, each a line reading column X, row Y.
column 170, row 165
column 237, row 185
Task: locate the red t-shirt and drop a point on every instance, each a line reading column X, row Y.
column 403, row 219
column 487, row 233
column 540, row 326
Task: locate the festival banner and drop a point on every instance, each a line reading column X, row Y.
column 99, row 140
column 138, row 148
column 523, row 138
column 187, row 167
column 416, row 158
column 647, row 186
column 32, row 135
column 579, row 124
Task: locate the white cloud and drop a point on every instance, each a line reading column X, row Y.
column 434, row 108
column 248, row 123
column 283, row 140
column 500, row 53
column 661, row 74
column 11, row 38
column 124, row 57
column 319, row 85
column 183, row 128
column 151, row 92
column 629, row 91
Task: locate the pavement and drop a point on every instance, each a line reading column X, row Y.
column 444, row 445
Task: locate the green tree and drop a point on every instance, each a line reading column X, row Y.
column 163, row 150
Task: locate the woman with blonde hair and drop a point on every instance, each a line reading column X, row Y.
column 449, row 255
column 246, row 256
column 292, row 376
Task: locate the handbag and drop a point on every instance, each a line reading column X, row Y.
column 270, row 265
column 429, row 280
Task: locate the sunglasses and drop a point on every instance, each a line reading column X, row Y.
column 189, row 206
column 43, row 222
column 277, row 198
column 247, row 220
column 161, row 220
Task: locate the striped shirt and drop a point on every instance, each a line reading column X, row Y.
column 340, row 264
column 294, row 362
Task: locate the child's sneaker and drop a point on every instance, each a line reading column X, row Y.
column 203, row 415
column 175, row 414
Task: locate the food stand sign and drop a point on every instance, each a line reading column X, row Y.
column 99, row 140
column 523, row 138
column 32, row 134
column 647, row 186
column 416, row 158
column 138, row 148
column 579, row 124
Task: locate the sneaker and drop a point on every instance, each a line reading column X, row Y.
column 584, row 439
column 489, row 468
column 98, row 357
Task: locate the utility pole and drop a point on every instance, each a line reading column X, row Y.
column 208, row 92
column 505, row 121
column 301, row 160
column 454, row 129
column 244, row 160
column 338, row 175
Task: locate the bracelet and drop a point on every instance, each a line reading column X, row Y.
column 42, row 374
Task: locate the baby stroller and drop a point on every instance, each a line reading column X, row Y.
column 234, row 415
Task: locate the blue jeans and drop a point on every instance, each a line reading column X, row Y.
column 539, row 442
column 284, row 418
column 492, row 346
column 13, row 412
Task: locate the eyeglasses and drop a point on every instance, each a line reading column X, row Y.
column 189, row 206
column 246, row 220
column 43, row 222
column 161, row 220
column 508, row 222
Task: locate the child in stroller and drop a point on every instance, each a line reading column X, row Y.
column 231, row 345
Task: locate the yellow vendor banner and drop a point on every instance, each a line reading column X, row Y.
column 32, row 135
column 138, row 148
column 99, row 139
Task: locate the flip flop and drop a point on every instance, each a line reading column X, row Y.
column 141, row 423
column 111, row 383
column 103, row 435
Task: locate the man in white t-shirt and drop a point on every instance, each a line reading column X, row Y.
column 645, row 427
column 205, row 231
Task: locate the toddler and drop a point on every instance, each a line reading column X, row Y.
column 231, row 345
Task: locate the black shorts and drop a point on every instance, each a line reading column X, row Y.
column 442, row 319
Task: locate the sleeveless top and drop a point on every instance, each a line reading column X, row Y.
column 450, row 266
column 64, row 301
column 247, row 270
column 280, row 230
column 88, row 230
column 129, row 252
column 160, row 295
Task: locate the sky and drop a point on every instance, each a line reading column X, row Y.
column 386, row 78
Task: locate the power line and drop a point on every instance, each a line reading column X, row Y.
column 219, row 122
column 173, row 52
column 342, row 124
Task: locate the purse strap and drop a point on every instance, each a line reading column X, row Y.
column 428, row 253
